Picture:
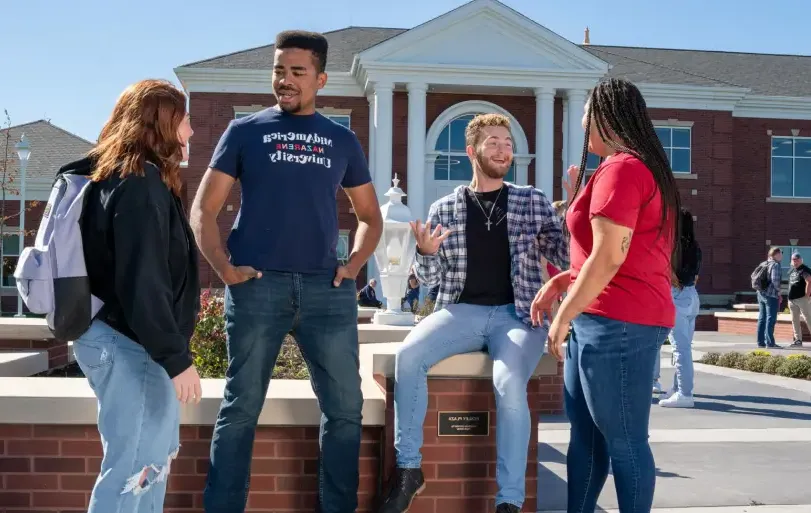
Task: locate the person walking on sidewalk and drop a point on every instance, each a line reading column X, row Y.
column 687, row 303
column 799, row 296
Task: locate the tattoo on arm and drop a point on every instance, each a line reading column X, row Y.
column 626, row 242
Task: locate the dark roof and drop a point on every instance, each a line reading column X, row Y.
column 773, row 75
column 51, row 148
column 766, row 74
column 344, row 44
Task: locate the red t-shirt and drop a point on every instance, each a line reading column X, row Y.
column 623, row 190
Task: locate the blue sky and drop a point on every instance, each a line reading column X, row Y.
column 67, row 61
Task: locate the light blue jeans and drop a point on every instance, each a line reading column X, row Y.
column 687, row 305
column 515, row 348
column 138, row 420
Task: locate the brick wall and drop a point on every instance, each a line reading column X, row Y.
column 759, row 221
column 782, row 330
column 210, row 114
column 57, row 349
column 33, row 215
column 49, row 468
column 459, row 470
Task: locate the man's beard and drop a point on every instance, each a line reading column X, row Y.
column 490, row 171
column 290, row 108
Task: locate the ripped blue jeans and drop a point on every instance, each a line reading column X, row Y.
column 138, row 420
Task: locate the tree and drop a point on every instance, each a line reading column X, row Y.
column 7, row 179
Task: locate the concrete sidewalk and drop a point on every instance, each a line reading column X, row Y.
column 744, row 444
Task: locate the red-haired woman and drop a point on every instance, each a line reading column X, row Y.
column 142, row 263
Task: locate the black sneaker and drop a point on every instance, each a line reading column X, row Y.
column 406, row 484
column 507, row 508
column 797, row 343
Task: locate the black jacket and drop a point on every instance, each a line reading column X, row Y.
column 141, row 260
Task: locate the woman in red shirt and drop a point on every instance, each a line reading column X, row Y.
column 623, row 227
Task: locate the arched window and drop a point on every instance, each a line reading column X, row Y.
column 452, row 163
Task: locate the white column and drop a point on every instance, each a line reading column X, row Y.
column 564, row 151
column 577, row 100
column 416, row 150
column 545, row 140
column 371, row 155
column 384, row 113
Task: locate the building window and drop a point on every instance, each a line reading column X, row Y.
column 10, row 253
column 341, row 119
column 343, row 245
column 785, row 264
column 677, row 144
column 791, row 167
column 453, row 163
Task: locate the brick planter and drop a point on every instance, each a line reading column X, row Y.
column 57, row 349
column 460, row 471
column 782, row 330
column 49, row 468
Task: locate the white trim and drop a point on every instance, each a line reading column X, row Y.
column 257, row 81
column 475, row 107
column 669, row 96
column 482, row 76
column 556, row 47
column 773, row 107
column 673, row 123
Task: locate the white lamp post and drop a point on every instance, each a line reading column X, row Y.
column 394, row 256
column 24, row 153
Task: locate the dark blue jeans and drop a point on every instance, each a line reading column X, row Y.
column 323, row 320
column 607, row 395
column 766, row 319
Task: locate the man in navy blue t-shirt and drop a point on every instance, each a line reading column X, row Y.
column 283, row 275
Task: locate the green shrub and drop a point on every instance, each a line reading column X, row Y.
column 799, row 368
column 755, row 362
column 211, row 354
column 773, row 364
column 760, row 352
column 731, row 360
column 798, row 357
column 710, row 358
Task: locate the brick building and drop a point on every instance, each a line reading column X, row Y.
column 736, row 126
column 51, row 147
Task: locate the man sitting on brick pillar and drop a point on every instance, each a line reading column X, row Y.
column 488, row 267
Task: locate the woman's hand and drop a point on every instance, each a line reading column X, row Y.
column 557, row 335
column 546, row 297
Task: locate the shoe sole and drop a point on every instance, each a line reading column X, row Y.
column 416, row 494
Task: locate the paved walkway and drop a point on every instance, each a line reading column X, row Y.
column 745, row 444
column 707, row 341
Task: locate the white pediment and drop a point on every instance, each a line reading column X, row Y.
column 483, row 33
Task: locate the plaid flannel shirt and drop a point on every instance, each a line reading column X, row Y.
column 533, row 229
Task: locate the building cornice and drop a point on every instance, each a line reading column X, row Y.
column 212, row 80
column 368, row 73
column 774, row 107
column 672, row 96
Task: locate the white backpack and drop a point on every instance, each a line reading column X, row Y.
column 51, row 276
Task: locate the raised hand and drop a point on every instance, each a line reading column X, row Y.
column 428, row 241
column 570, row 181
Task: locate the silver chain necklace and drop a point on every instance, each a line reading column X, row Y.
column 488, row 216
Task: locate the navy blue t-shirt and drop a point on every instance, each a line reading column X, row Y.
column 290, row 168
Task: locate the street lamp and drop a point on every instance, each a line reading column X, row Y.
column 23, row 153
column 394, row 256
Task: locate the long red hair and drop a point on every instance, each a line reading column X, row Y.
column 143, row 127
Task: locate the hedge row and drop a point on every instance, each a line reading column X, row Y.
column 792, row 366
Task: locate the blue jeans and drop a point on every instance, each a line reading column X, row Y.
column 766, row 319
column 687, row 305
column 515, row 348
column 138, row 419
column 324, row 321
column 607, row 396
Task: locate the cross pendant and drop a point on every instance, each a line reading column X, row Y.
column 488, row 223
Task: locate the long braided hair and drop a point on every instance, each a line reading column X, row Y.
column 617, row 107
